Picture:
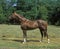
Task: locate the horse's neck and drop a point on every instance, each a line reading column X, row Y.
column 21, row 18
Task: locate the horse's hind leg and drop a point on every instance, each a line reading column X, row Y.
column 41, row 35
column 24, row 36
column 45, row 34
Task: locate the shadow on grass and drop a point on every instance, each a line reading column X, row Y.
column 17, row 40
column 27, row 41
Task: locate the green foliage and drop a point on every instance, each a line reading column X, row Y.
column 32, row 9
column 1, row 14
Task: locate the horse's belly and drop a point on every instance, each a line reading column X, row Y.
column 32, row 27
column 29, row 27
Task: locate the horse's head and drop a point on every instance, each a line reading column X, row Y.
column 17, row 17
column 13, row 16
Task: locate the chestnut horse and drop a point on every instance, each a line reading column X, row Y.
column 29, row 25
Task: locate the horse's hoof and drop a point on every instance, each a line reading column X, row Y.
column 24, row 42
column 40, row 41
column 48, row 42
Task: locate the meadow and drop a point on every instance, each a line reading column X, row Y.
column 11, row 37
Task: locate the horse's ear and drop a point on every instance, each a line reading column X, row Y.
column 13, row 11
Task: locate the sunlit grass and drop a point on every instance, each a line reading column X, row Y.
column 11, row 37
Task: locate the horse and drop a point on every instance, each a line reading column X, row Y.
column 27, row 24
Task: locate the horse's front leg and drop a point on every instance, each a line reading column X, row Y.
column 41, row 35
column 24, row 36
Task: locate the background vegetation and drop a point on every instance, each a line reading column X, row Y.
column 32, row 9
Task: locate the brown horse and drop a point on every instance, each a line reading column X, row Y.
column 29, row 25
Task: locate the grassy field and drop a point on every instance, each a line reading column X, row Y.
column 11, row 37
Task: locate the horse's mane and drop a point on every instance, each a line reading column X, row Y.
column 23, row 17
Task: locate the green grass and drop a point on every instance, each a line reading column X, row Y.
column 11, row 37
